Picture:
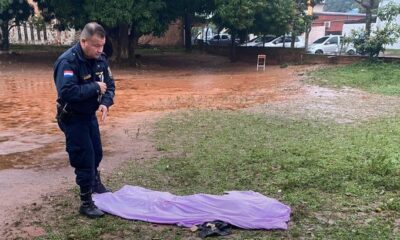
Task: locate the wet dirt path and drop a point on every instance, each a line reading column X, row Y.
column 28, row 132
column 32, row 156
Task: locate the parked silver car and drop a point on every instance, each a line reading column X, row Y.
column 280, row 41
column 221, row 40
column 259, row 41
column 331, row 44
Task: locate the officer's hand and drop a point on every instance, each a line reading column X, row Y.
column 103, row 87
column 104, row 111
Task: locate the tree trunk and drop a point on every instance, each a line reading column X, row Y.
column 263, row 40
column 131, row 53
column 233, row 47
column 32, row 32
column 5, row 43
column 114, row 43
column 123, row 43
column 133, row 41
column 284, row 41
column 243, row 36
column 112, row 35
column 206, row 40
column 308, row 30
column 293, row 40
column 188, row 32
column 44, row 32
column 38, row 27
column 25, row 33
column 368, row 21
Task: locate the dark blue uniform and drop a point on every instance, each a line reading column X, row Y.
column 75, row 78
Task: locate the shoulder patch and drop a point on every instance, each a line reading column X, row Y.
column 68, row 73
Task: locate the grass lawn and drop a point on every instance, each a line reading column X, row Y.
column 382, row 78
column 341, row 181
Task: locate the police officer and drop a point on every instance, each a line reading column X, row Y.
column 84, row 85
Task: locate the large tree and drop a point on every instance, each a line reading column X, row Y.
column 386, row 33
column 370, row 7
column 69, row 14
column 273, row 17
column 124, row 20
column 301, row 21
column 12, row 13
column 190, row 11
column 128, row 20
column 237, row 16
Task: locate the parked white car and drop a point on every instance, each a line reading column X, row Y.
column 279, row 42
column 259, row 41
column 331, row 45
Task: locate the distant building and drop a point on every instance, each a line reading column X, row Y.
column 327, row 23
column 319, row 8
column 333, row 21
column 174, row 37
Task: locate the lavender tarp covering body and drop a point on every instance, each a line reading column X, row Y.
column 244, row 209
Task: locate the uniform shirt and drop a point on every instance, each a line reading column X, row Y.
column 75, row 78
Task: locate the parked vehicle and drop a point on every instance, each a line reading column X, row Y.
column 331, row 44
column 286, row 41
column 259, row 41
column 221, row 40
column 203, row 37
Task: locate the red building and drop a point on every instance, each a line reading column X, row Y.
column 333, row 21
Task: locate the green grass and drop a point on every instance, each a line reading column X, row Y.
column 341, row 181
column 382, row 78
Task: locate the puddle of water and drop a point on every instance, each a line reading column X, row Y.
column 14, row 142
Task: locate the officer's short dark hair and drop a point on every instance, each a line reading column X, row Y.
column 92, row 29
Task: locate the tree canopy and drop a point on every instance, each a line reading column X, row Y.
column 190, row 11
column 126, row 20
column 12, row 13
column 273, row 17
column 383, row 35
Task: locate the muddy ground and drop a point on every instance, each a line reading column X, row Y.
column 34, row 165
column 33, row 162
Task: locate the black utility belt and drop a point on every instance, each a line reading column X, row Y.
column 64, row 113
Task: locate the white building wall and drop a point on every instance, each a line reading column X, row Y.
column 348, row 28
column 316, row 32
column 54, row 37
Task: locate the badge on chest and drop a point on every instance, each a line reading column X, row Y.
column 100, row 76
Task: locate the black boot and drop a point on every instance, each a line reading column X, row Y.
column 98, row 186
column 88, row 208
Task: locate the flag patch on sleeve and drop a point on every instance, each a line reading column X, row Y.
column 68, row 73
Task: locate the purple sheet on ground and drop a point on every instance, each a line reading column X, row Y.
column 244, row 209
